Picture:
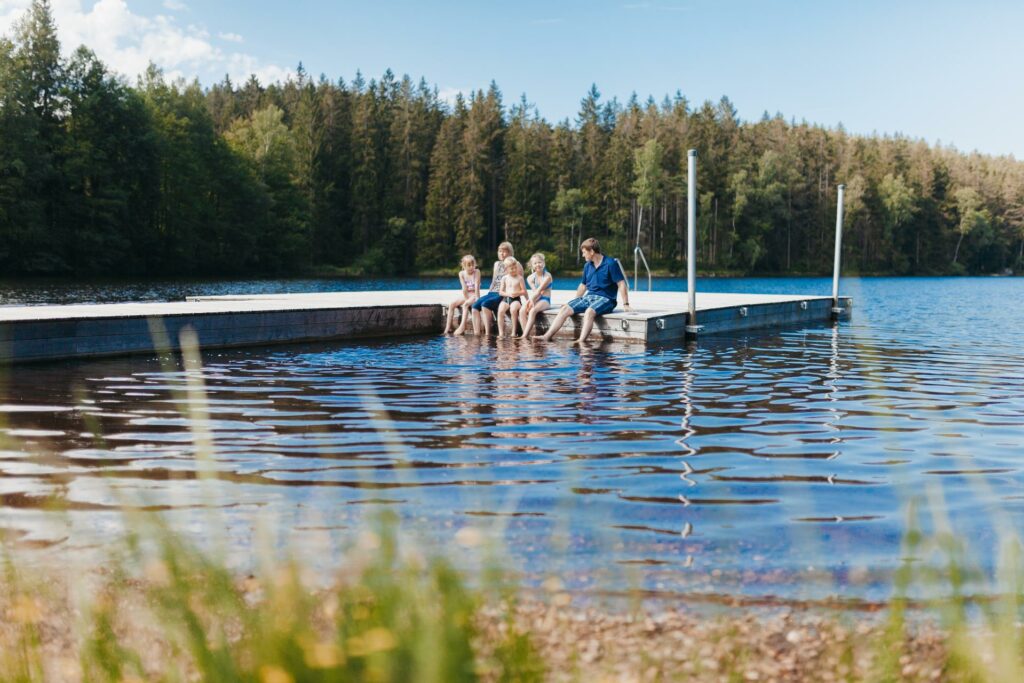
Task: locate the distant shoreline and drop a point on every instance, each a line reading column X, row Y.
column 354, row 273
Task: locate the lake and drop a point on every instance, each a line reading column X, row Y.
column 772, row 465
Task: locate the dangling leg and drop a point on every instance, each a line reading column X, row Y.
column 502, row 308
column 467, row 311
column 535, row 311
column 485, row 313
column 563, row 314
column 524, row 312
column 451, row 314
column 588, row 325
column 514, row 312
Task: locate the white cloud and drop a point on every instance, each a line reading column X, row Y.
column 10, row 12
column 127, row 42
column 241, row 66
column 448, row 94
column 175, row 5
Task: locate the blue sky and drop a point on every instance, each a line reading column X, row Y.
column 941, row 71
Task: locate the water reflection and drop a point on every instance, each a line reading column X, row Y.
column 755, row 457
column 687, row 432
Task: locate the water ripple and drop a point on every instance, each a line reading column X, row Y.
column 799, row 448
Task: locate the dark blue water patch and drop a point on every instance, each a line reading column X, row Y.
column 776, row 463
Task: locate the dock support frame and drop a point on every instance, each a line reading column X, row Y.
column 837, row 310
column 692, row 328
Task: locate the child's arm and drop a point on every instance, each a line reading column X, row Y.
column 462, row 281
column 539, row 289
column 476, row 274
column 545, row 282
column 503, row 286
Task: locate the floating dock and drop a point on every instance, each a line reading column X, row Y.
column 45, row 333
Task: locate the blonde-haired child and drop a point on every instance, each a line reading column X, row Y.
column 490, row 300
column 513, row 288
column 539, row 298
column 469, row 280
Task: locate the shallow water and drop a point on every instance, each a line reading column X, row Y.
column 771, row 464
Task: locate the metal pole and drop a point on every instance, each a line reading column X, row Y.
column 691, row 240
column 836, row 308
column 636, row 251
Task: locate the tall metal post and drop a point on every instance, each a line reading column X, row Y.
column 837, row 310
column 691, row 241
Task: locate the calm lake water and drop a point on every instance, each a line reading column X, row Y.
column 775, row 464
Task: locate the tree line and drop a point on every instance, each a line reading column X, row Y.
column 383, row 177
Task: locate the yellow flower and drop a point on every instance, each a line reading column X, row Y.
column 270, row 673
column 375, row 640
column 323, row 656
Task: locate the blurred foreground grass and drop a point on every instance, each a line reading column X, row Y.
column 164, row 610
column 167, row 611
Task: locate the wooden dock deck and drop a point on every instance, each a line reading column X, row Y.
column 42, row 333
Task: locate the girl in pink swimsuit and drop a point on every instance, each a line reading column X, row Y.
column 469, row 281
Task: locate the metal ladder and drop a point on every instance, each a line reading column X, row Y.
column 638, row 256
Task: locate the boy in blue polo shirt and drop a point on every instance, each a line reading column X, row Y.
column 602, row 280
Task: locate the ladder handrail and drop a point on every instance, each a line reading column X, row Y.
column 637, row 251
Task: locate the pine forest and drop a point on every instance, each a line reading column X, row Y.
column 382, row 177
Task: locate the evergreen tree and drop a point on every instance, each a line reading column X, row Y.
column 477, row 216
column 332, row 171
column 100, row 177
column 437, row 241
column 367, row 166
column 412, row 136
column 36, row 80
column 109, row 170
column 21, row 202
column 526, row 191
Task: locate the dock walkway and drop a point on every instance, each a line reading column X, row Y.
column 39, row 333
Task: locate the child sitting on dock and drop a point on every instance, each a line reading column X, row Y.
column 513, row 288
column 539, row 299
column 469, row 280
column 489, row 302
